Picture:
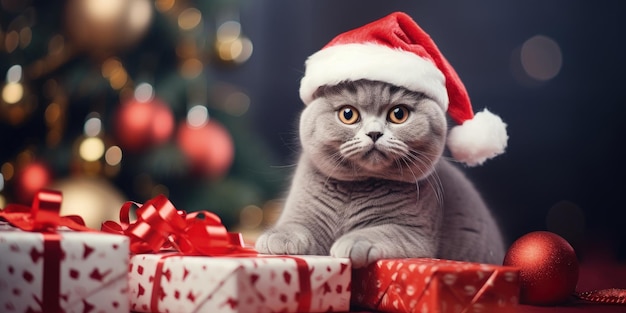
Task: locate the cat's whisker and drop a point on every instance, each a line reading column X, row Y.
column 336, row 158
column 417, row 185
column 433, row 178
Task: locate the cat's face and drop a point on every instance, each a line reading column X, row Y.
column 364, row 129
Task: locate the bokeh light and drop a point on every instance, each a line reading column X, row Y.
column 251, row 217
column 191, row 68
column 144, row 92
column 231, row 45
column 93, row 126
column 228, row 31
column 104, row 10
column 189, row 18
column 91, row 149
column 14, row 74
column 26, row 35
column 139, row 16
column 56, row 44
column 541, row 58
column 237, row 103
column 113, row 156
column 11, row 41
column 164, row 5
column 7, row 170
column 197, row 116
column 12, row 93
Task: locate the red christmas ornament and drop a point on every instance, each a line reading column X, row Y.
column 29, row 180
column 548, row 267
column 209, row 147
column 143, row 124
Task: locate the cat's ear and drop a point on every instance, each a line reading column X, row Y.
column 478, row 139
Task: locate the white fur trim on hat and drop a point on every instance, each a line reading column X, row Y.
column 350, row 62
column 476, row 140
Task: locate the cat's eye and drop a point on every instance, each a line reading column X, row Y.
column 398, row 114
column 348, row 115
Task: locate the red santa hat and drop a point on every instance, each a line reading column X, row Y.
column 396, row 50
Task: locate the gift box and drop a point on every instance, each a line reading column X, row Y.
column 51, row 268
column 434, row 285
column 174, row 283
column 190, row 263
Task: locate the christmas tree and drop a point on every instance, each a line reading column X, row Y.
column 117, row 100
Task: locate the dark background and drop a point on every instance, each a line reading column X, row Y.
column 563, row 170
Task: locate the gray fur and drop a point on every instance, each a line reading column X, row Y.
column 400, row 200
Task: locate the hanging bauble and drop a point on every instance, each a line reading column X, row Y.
column 94, row 199
column 30, row 179
column 140, row 124
column 103, row 26
column 209, row 147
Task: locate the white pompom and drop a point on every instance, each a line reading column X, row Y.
column 478, row 139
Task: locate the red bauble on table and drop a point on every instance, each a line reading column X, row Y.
column 548, row 268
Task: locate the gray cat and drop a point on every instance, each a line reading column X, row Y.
column 371, row 183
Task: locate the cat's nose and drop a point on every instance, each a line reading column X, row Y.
column 374, row 135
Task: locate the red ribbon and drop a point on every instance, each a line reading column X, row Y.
column 159, row 226
column 44, row 217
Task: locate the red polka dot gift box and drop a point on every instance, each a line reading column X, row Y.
column 174, row 283
column 50, row 263
column 434, row 285
column 188, row 262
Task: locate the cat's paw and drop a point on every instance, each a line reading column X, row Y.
column 283, row 242
column 360, row 250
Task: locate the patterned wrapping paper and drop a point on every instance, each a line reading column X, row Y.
column 66, row 271
column 174, row 283
column 434, row 285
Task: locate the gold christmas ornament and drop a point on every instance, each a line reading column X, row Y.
column 104, row 26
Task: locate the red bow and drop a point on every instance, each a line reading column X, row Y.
column 160, row 226
column 43, row 215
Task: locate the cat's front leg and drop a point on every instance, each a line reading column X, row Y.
column 367, row 245
column 291, row 239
